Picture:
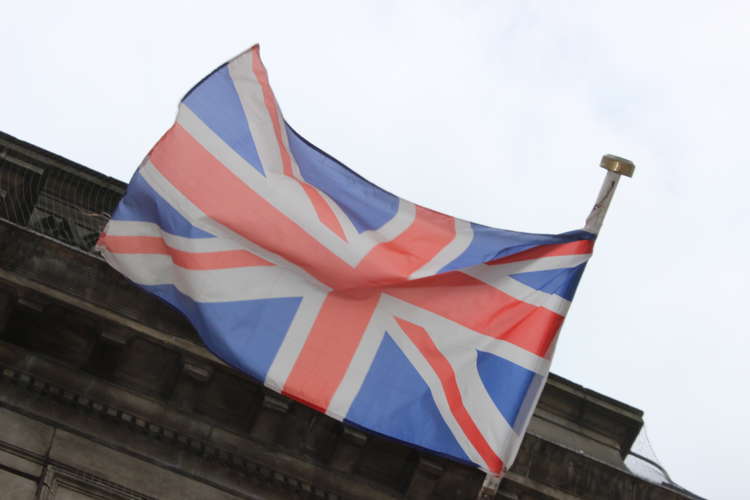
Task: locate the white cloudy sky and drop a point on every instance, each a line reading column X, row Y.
column 493, row 111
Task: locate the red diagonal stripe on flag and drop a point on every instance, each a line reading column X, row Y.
column 324, row 211
column 330, row 347
column 482, row 308
column 394, row 261
column 443, row 369
column 580, row 247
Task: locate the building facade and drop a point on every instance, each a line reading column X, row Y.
column 107, row 393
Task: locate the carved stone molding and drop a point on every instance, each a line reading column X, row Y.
column 58, row 477
column 72, row 479
column 268, row 421
column 32, row 301
column 198, row 369
column 116, row 334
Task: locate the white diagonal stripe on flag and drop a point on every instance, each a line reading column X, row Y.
column 496, row 271
column 213, row 285
column 253, row 104
column 433, row 382
column 295, row 339
column 464, row 235
column 520, row 291
column 360, row 365
column 185, row 244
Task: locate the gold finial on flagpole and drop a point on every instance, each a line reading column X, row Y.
column 618, row 165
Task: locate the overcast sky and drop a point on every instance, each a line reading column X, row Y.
column 497, row 112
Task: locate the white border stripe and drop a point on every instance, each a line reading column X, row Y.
column 360, row 364
column 214, row 285
column 148, row 229
column 253, row 103
column 350, row 232
column 449, row 253
column 135, row 228
column 520, row 291
column 295, row 339
column 536, row 264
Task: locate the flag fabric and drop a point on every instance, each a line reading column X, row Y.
column 292, row 268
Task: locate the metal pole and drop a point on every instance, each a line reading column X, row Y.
column 489, row 486
column 617, row 166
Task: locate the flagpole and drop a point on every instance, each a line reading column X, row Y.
column 489, row 486
column 616, row 167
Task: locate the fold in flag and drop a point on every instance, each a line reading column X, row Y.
column 292, row 268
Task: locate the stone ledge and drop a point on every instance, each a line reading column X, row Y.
column 134, row 423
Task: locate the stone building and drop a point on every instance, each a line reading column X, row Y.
column 107, row 393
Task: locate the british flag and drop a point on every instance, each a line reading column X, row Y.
column 379, row 312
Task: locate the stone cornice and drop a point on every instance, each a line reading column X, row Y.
column 167, row 436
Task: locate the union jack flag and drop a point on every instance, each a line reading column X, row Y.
column 419, row 326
